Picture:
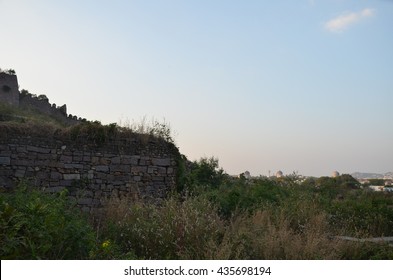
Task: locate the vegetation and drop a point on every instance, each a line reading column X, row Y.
column 8, row 71
column 12, row 116
column 35, row 225
column 30, row 121
column 220, row 217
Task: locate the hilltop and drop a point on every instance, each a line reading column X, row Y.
column 363, row 175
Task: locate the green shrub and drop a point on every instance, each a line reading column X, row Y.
column 364, row 213
column 36, row 225
column 246, row 196
column 206, row 172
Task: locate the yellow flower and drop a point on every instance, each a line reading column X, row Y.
column 105, row 244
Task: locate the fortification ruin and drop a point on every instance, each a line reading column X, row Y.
column 10, row 94
column 123, row 164
column 9, row 89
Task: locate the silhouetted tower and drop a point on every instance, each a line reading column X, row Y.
column 9, row 89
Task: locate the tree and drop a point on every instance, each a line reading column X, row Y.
column 206, row 171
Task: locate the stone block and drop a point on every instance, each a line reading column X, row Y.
column 5, row 160
column 66, row 159
column 38, row 149
column 152, row 170
column 41, row 175
column 129, row 160
column 55, row 175
column 71, row 176
column 158, row 178
column 73, row 165
column 86, row 158
column 120, row 168
column 102, row 168
column 77, row 158
column 21, row 150
column 90, row 174
column 170, row 170
column 5, row 153
column 55, row 189
column 20, row 173
column 115, row 160
column 161, row 161
column 137, row 178
column 161, row 170
column 95, row 160
column 138, row 169
column 104, row 161
column 4, row 147
column 85, row 201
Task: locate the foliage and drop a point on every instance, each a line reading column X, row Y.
column 158, row 129
column 8, row 71
column 364, row 213
column 36, row 225
column 224, row 218
column 376, row 182
column 342, row 181
column 93, row 132
column 206, row 172
column 16, row 116
column 238, row 195
column 174, row 230
column 43, row 97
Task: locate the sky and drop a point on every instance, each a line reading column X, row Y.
column 299, row 86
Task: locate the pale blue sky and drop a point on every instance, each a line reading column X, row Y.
column 262, row 85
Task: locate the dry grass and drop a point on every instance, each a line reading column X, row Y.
column 269, row 235
column 191, row 229
column 173, row 230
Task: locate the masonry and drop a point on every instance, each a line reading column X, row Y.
column 10, row 94
column 123, row 165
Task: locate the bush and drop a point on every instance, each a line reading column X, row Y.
column 36, row 225
column 246, row 196
column 206, row 172
column 364, row 214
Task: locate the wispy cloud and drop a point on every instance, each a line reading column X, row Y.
column 342, row 22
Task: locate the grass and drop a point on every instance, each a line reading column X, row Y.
column 14, row 116
column 31, row 122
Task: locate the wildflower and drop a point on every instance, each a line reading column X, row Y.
column 106, row 244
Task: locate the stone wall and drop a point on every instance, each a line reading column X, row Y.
column 136, row 165
column 28, row 101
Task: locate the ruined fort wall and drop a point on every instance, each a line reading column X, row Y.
column 122, row 166
column 43, row 106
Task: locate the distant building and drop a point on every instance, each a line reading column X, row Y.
column 247, row 175
column 377, row 188
column 335, row 174
column 279, row 174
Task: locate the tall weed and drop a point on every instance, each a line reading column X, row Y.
column 36, row 225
